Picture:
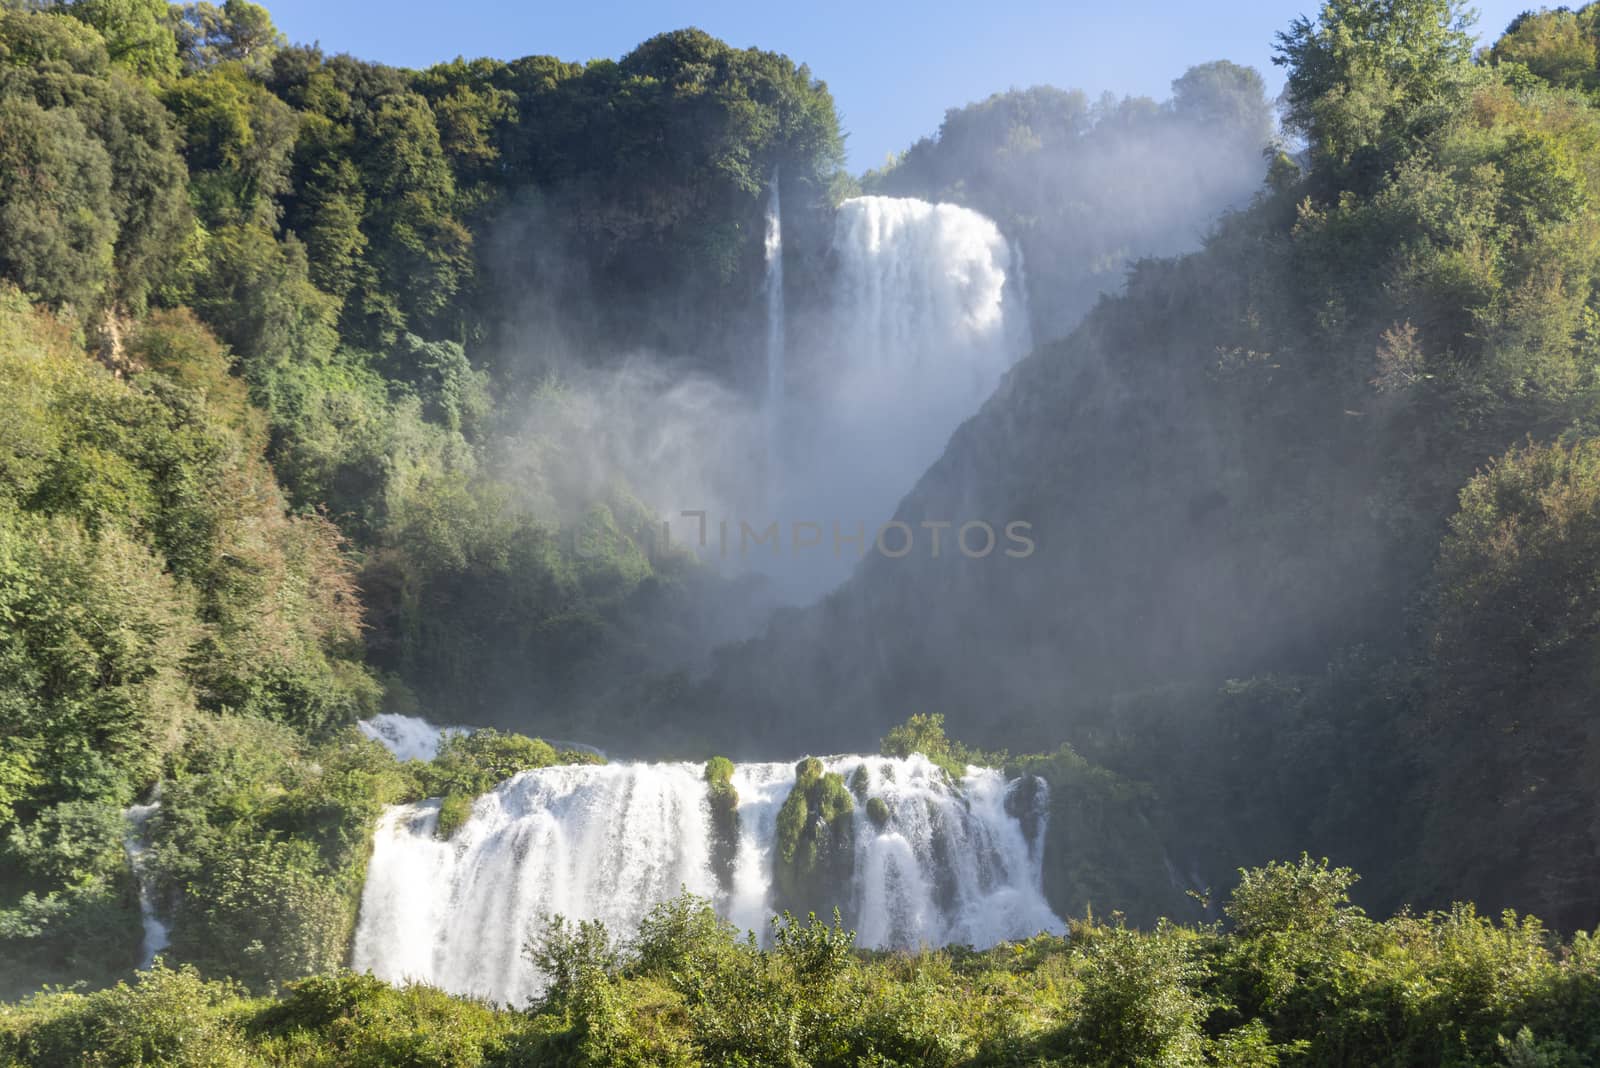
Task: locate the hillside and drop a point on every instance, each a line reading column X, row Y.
column 1309, row 504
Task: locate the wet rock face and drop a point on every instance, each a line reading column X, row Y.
column 1027, row 801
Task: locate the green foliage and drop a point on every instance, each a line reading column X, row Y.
column 1557, row 46
column 170, row 1017
column 719, row 771
column 1511, row 646
column 138, row 33
column 570, row 957
column 1301, row 979
column 260, row 846
column 92, row 203
column 454, row 810
column 925, row 734
column 470, row 764
column 1367, row 72
column 345, row 1019
column 723, row 798
column 815, row 852
column 54, row 180
column 238, row 32
column 175, row 345
column 684, row 943
column 1140, row 1002
column 878, row 812
column 1288, row 898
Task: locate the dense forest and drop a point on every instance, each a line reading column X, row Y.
column 318, row 377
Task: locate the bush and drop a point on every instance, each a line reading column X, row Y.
column 165, row 1017
column 1447, row 988
column 454, row 810
column 925, row 734
column 470, row 764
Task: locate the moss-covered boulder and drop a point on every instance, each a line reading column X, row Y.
column 724, row 801
column 816, row 842
column 878, row 812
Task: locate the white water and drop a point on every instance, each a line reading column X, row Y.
column 134, row 843
column 927, row 313
column 413, row 738
column 775, row 331
column 609, row 842
column 407, row 737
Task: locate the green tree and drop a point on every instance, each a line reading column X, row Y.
column 1367, row 71
column 238, row 31
column 138, row 33
column 1512, row 648
column 60, row 65
column 57, row 234
column 1558, row 46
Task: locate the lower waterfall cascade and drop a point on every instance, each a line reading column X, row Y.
column 949, row 865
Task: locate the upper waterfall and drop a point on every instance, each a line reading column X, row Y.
column 926, row 312
column 948, row 864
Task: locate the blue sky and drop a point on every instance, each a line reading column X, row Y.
column 893, row 67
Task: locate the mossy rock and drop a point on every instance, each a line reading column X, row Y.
column 878, row 812
column 724, row 801
column 816, row 841
column 860, row 781
column 1028, row 803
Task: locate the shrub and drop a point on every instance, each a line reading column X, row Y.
column 454, row 810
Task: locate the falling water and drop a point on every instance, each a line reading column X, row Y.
column 775, row 328
column 762, row 789
column 948, row 867
column 407, row 737
column 137, row 846
column 927, row 312
column 609, row 842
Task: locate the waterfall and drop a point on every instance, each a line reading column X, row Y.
column 413, row 738
column 137, row 846
column 609, row 842
column 926, row 317
column 926, row 313
column 407, row 737
column 775, row 336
